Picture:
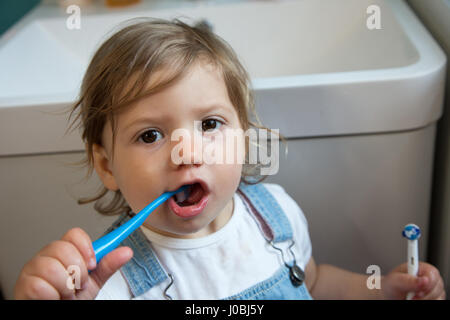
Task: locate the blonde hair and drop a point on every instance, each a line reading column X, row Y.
column 119, row 73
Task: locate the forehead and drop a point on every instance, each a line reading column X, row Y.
column 201, row 85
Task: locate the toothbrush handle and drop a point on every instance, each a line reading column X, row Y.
column 110, row 241
column 413, row 257
column 413, row 262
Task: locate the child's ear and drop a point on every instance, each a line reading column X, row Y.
column 102, row 167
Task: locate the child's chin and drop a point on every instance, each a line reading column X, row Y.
column 192, row 228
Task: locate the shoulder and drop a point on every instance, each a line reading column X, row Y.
column 289, row 205
column 297, row 219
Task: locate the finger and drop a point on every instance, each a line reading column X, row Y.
column 112, row 262
column 404, row 283
column 425, row 269
column 431, row 272
column 403, row 268
column 69, row 256
column 81, row 240
column 35, row 288
column 53, row 272
column 435, row 293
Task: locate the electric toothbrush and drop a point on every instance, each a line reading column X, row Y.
column 412, row 233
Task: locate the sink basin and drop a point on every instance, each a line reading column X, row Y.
column 48, row 59
column 315, row 58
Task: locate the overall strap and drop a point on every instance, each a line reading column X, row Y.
column 273, row 223
column 143, row 271
column 272, row 220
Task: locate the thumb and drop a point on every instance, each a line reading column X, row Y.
column 112, row 262
column 402, row 283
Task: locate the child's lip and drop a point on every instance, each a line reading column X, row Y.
column 192, row 210
column 199, row 181
column 188, row 211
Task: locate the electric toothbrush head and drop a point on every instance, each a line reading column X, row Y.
column 411, row 232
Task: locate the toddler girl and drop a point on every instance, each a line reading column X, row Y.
column 232, row 237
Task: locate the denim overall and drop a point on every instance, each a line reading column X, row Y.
column 144, row 270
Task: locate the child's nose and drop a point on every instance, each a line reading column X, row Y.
column 188, row 150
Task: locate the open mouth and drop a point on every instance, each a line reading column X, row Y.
column 190, row 196
column 190, row 202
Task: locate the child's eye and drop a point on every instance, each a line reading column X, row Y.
column 150, row 136
column 211, row 124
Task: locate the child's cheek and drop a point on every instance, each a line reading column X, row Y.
column 224, row 147
column 229, row 147
column 137, row 183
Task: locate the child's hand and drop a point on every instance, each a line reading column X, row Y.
column 428, row 285
column 46, row 275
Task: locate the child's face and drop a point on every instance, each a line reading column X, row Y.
column 143, row 167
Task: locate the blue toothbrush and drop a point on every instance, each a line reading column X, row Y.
column 109, row 242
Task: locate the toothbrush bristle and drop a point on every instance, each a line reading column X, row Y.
column 183, row 195
column 411, row 232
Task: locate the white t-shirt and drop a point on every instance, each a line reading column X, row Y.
column 221, row 264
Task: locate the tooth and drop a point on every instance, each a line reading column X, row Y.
column 179, row 197
column 183, row 195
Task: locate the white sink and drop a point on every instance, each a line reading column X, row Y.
column 314, row 58
column 274, row 39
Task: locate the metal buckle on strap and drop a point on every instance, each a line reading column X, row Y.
column 296, row 274
column 168, row 297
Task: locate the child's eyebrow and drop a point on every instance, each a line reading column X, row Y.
column 200, row 109
column 139, row 121
column 212, row 107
